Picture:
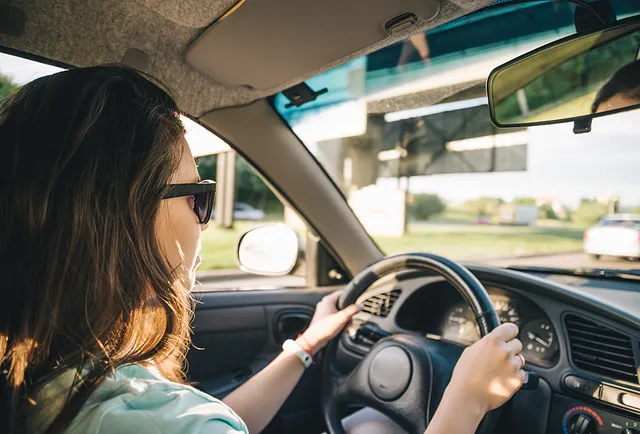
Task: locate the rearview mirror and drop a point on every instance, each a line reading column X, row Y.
column 574, row 79
column 272, row 250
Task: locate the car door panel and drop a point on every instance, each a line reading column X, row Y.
column 238, row 333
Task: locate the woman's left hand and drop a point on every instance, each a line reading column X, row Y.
column 327, row 322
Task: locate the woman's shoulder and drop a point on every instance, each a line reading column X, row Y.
column 136, row 398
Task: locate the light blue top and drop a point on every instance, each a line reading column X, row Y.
column 136, row 400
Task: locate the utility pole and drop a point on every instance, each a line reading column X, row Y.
column 226, row 191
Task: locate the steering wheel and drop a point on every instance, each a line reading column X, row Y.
column 403, row 376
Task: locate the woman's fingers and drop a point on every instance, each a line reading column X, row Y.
column 340, row 319
column 327, row 323
column 513, row 347
column 522, row 376
column 333, row 297
column 506, row 332
column 350, row 311
column 490, row 371
column 516, row 361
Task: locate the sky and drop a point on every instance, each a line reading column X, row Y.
column 561, row 165
column 22, row 71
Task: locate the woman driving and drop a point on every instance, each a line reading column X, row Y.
column 102, row 213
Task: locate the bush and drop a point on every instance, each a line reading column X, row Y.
column 590, row 212
column 7, row 87
column 483, row 206
column 568, row 215
column 524, row 201
column 425, row 206
column 546, row 212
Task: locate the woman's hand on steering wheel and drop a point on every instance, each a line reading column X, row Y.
column 489, row 372
column 327, row 322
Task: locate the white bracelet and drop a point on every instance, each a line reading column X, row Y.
column 292, row 347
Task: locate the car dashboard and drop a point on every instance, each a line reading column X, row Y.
column 579, row 335
column 436, row 310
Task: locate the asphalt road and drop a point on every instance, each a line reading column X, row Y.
column 237, row 280
column 574, row 260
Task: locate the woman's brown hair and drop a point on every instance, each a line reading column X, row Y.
column 626, row 82
column 86, row 156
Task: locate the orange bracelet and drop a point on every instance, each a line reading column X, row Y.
column 305, row 344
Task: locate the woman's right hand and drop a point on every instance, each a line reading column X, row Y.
column 489, row 372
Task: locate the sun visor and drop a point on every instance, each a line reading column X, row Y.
column 264, row 43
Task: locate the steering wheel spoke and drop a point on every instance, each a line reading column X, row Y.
column 403, row 376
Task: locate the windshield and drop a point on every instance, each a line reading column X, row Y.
column 405, row 133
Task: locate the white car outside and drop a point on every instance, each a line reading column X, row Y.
column 244, row 211
column 615, row 235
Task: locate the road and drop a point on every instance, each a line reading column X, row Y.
column 572, row 260
column 237, row 280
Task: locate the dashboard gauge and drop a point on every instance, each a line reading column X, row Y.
column 506, row 311
column 460, row 325
column 539, row 339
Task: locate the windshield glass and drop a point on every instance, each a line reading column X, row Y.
column 405, row 133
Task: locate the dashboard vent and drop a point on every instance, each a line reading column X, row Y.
column 600, row 349
column 381, row 304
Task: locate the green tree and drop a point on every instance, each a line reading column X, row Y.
column 249, row 186
column 207, row 166
column 425, row 206
column 590, row 211
column 7, row 87
column 524, row 201
column 546, row 212
column 483, row 206
column 569, row 215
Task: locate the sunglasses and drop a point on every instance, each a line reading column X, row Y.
column 203, row 194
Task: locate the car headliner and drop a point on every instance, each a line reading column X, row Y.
column 90, row 32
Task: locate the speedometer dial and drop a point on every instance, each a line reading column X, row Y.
column 506, row 311
column 460, row 324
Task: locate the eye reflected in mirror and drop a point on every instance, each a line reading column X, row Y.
column 272, row 250
column 576, row 78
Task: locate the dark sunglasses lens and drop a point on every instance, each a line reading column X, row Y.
column 202, row 206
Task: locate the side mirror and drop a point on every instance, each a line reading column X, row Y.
column 272, row 250
column 574, row 79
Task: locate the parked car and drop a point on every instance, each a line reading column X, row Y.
column 614, row 235
column 520, row 215
column 244, row 211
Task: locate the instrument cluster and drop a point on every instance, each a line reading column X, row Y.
column 425, row 314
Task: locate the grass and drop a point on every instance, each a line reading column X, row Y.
column 456, row 215
column 468, row 242
column 457, row 241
